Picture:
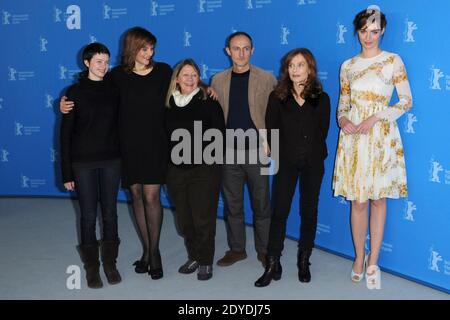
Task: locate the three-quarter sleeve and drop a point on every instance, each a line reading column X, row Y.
column 344, row 93
column 401, row 83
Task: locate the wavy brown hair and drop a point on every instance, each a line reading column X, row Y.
column 176, row 72
column 135, row 39
column 313, row 87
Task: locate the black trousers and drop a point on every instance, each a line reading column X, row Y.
column 91, row 183
column 283, row 190
column 195, row 193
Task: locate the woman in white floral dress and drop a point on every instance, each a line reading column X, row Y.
column 370, row 164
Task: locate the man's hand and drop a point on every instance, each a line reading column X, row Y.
column 212, row 93
column 65, row 106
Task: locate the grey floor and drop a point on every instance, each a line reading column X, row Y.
column 37, row 245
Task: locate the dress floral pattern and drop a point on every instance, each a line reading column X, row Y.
column 372, row 166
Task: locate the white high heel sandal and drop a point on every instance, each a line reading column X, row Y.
column 357, row 277
column 373, row 277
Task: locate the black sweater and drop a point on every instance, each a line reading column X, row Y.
column 89, row 133
column 207, row 111
column 239, row 111
column 303, row 130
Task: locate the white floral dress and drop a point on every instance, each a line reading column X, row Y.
column 372, row 166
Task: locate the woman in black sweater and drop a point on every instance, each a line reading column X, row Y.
column 142, row 85
column 91, row 162
column 193, row 178
column 300, row 110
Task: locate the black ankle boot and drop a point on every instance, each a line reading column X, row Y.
column 89, row 255
column 156, row 271
column 304, row 274
column 272, row 272
column 110, row 251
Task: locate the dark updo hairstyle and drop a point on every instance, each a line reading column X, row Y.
column 88, row 52
column 369, row 15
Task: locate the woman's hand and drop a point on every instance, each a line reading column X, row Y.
column 212, row 93
column 347, row 126
column 70, row 186
column 365, row 126
column 65, row 106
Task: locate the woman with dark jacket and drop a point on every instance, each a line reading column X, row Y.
column 193, row 177
column 300, row 110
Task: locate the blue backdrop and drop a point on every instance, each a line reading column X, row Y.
column 41, row 41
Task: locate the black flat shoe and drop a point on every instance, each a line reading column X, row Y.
column 140, row 266
column 156, row 274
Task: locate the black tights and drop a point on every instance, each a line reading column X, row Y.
column 149, row 215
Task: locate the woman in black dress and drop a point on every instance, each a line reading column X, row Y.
column 142, row 85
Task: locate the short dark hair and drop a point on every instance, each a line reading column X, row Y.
column 366, row 15
column 239, row 33
column 89, row 51
column 94, row 48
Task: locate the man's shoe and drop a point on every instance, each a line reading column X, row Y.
column 189, row 267
column 231, row 257
column 262, row 259
column 204, row 272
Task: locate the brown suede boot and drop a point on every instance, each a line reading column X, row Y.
column 110, row 251
column 89, row 257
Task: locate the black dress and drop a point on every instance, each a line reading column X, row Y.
column 143, row 140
